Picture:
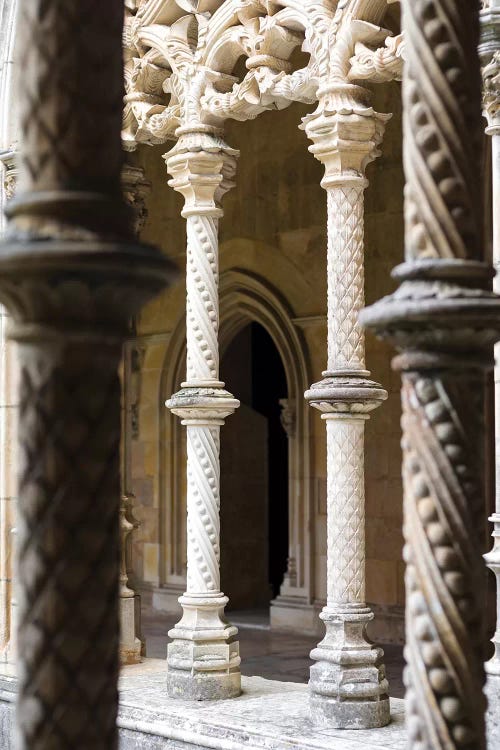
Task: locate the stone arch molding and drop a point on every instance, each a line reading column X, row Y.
column 245, row 299
column 180, row 58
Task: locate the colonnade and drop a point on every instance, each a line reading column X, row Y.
column 443, row 319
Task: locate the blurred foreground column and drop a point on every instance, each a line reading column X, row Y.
column 489, row 51
column 444, row 320
column 71, row 275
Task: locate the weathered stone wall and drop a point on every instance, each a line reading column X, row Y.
column 274, row 228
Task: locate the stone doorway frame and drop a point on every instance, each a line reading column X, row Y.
column 244, row 298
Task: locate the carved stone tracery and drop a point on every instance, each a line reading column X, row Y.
column 182, row 84
column 180, row 65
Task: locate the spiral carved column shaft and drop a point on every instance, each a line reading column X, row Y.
column 203, row 657
column 444, row 321
column 71, row 276
column 202, row 299
column 348, row 684
column 444, row 574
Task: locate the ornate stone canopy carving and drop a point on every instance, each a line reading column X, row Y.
column 183, row 58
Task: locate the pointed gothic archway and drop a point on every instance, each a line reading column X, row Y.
column 245, row 299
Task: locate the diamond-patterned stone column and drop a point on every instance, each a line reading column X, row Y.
column 203, row 658
column 348, row 688
column 489, row 50
column 71, row 276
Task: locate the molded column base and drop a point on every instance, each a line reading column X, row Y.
column 492, row 691
column 130, row 645
column 348, row 688
column 203, row 658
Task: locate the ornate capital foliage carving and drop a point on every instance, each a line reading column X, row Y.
column 182, row 67
column 489, row 52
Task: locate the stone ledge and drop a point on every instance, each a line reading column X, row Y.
column 268, row 716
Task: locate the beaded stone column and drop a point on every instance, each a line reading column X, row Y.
column 348, row 688
column 203, row 658
column 489, row 51
column 71, row 276
column 444, row 319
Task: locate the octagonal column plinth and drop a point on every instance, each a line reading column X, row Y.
column 348, row 685
column 203, row 658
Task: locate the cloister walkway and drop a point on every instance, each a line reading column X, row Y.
column 275, row 656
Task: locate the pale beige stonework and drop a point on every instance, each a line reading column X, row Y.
column 282, row 242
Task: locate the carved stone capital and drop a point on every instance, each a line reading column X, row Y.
column 345, row 130
column 9, row 161
column 202, row 166
column 491, row 91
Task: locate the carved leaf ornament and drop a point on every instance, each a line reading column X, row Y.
column 182, row 58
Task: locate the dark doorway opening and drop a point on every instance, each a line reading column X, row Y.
column 254, row 473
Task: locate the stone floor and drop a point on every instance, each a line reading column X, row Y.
column 274, row 656
column 268, row 715
column 271, row 713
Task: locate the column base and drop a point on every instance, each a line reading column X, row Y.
column 348, row 687
column 492, row 691
column 203, row 658
column 130, row 645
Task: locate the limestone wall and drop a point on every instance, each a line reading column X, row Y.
column 273, row 229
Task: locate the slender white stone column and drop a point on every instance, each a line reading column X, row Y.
column 135, row 189
column 203, row 658
column 8, row 359
column 348, row 685
column 130, row 644
column 9, row 373
column 490, row 57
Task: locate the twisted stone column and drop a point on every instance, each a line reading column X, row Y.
column 444, row 320
column 203, row 658
column 348, row 684
column 489, row 50
column 71, row 275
